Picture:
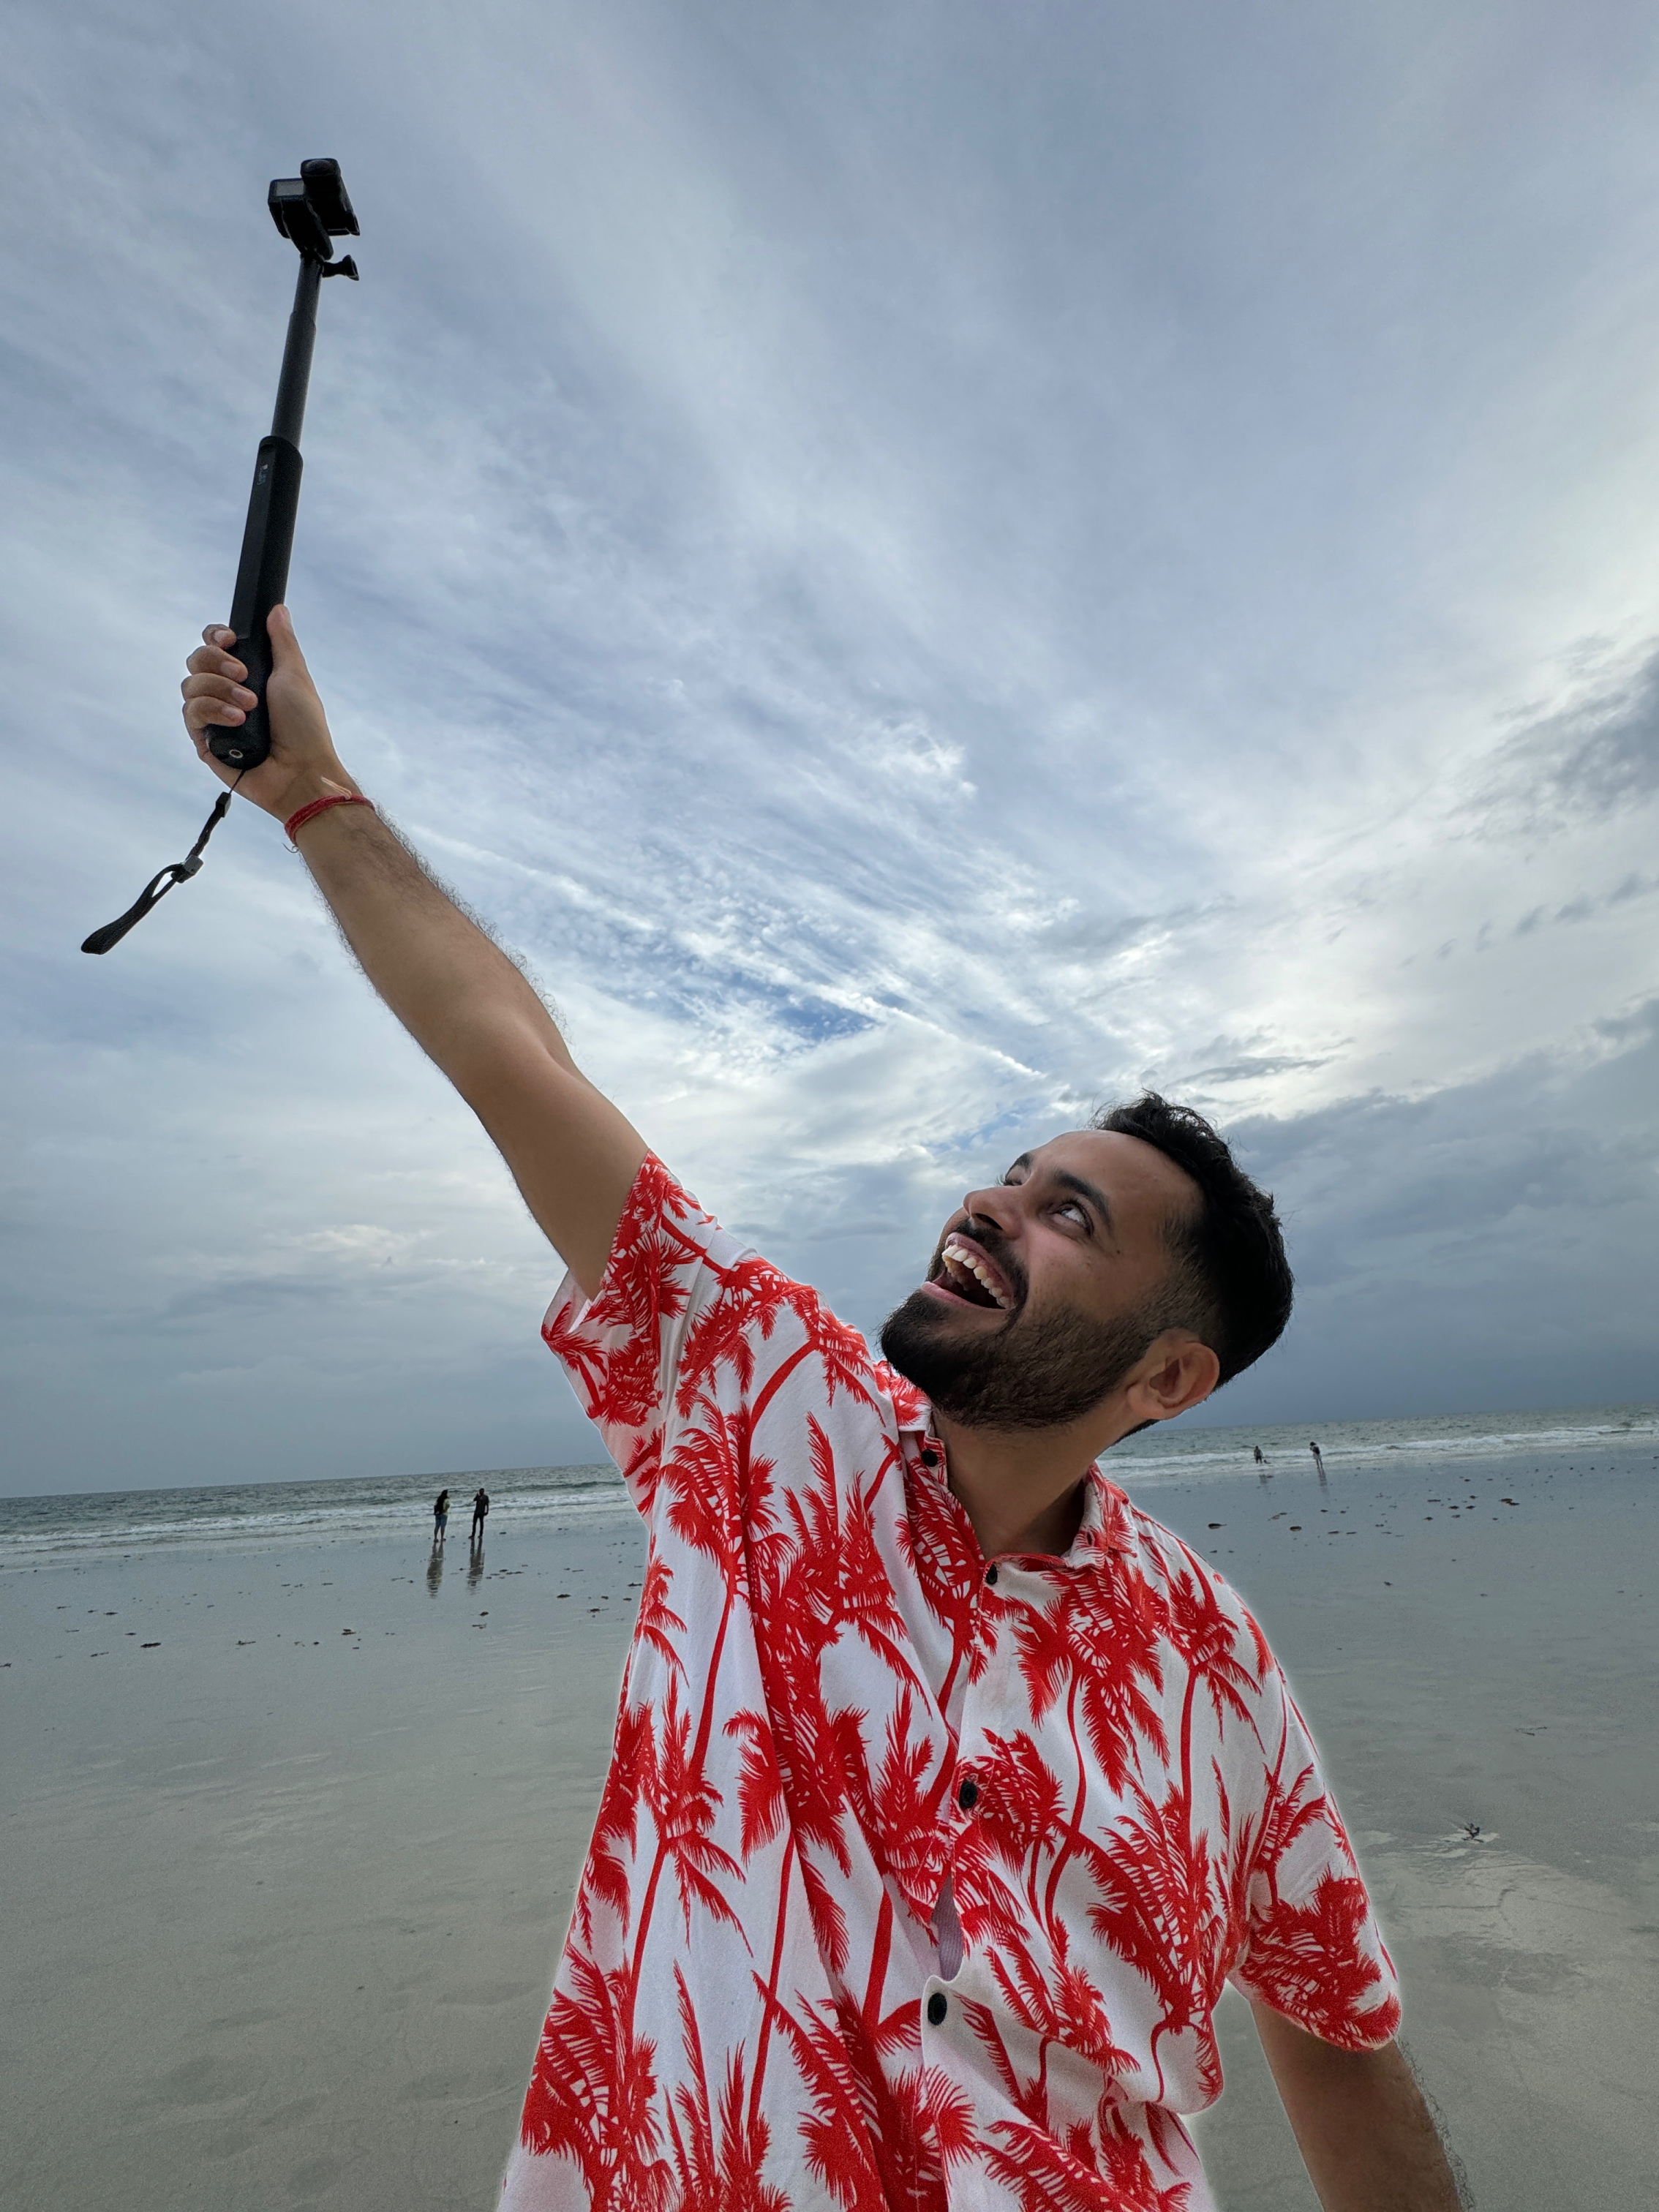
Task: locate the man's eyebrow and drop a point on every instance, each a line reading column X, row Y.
column 1097, row 1198
column 1068, row 1180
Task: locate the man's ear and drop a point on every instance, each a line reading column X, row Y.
column 1176, row 1370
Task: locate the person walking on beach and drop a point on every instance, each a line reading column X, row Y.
column 948, row 1789
column 1318, row 1460
column 480, row 1511
column 439, row 1515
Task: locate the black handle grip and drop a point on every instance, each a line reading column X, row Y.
column 261, row 584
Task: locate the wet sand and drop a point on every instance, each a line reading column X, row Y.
column 1495, row 1671
column 285, row 1901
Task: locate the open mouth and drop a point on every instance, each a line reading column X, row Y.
column 968, row 1272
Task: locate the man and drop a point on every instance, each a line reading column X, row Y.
column 480, row 1513
column 947, row 1789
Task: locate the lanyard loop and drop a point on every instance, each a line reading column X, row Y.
column 176, row 871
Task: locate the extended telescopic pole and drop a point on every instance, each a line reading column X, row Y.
column 268, row 536
column 274, row 502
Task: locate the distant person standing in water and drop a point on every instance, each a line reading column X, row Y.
column 439, row 1515
column 1259, row 1460
column 480, row 1508
column 1319, row 1461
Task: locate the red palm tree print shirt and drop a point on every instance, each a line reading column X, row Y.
column 916, row 1877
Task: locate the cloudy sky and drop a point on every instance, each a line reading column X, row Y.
column 928, row 566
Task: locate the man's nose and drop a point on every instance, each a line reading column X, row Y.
column 998, row 1203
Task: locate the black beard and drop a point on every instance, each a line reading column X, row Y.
column 1036, row 1372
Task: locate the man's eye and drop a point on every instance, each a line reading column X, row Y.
column 1078, row 1212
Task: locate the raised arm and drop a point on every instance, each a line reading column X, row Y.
column 572, row 1154
column 1361, row 2123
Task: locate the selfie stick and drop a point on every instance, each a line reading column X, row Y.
column 311, row 209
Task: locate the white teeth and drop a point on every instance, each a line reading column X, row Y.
column 965, row 1262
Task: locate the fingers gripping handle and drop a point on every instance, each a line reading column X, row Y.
column 261, row 584
column 245, row 744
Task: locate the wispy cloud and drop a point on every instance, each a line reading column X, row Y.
column 925, row 568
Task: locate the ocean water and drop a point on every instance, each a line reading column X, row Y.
column 1366, row 1447
column 101, row 1524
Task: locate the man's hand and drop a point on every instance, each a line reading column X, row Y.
column 1361, row 2125
column 572, row 1154
column 303, row 765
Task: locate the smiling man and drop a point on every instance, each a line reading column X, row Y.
column 948, row 1789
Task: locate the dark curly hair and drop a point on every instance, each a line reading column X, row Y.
column 1232, row 1285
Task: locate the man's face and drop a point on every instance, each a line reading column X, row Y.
column 1045, row 1289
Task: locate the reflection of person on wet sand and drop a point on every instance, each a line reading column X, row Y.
column 1319, row 1460
column 480, row 1508
column 439, row 1515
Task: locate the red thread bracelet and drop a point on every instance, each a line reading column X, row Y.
column 301, row 815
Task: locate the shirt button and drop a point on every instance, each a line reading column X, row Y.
column 967, row 1795
column 937, row 2009
column 990, row 1574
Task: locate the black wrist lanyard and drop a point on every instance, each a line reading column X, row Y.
column 176, row 871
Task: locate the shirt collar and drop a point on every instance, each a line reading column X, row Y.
column 1107, row 1529
column 1107, row 1525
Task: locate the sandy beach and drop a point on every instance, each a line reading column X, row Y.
column 291, row 1832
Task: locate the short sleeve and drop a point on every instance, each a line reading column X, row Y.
column 1312, row 1949
column 622, row 1348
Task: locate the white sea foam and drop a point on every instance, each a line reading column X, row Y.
column 35, row 1531
column 260, row 1515
column 1418, row 1438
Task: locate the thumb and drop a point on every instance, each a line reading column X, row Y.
column 286, row 658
